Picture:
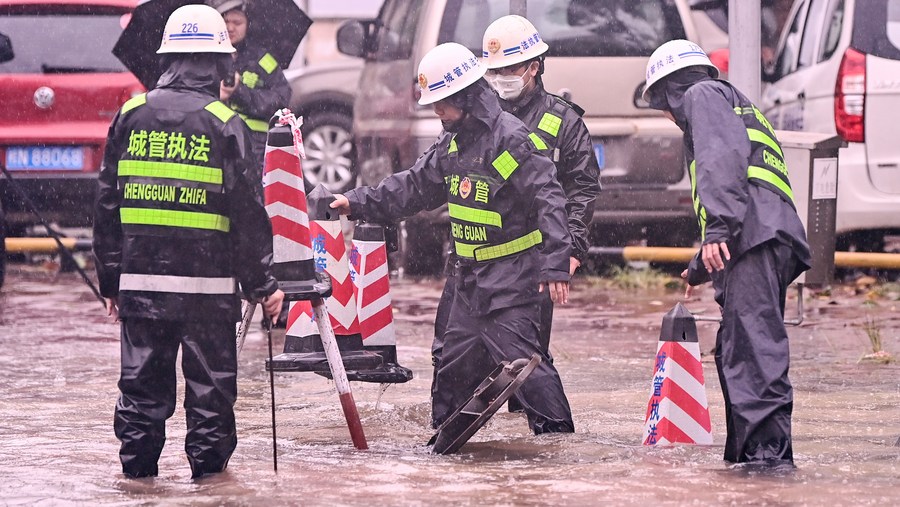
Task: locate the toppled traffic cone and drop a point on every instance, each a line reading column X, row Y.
column 369, row 271
column 678, row 411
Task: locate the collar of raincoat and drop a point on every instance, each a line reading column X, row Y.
column 196, row 71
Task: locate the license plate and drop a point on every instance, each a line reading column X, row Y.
column 601, row 156
column 45, row 158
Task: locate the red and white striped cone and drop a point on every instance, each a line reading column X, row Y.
column 330, row 257
column 678, row 411
column 294, row 268
column 369, row 271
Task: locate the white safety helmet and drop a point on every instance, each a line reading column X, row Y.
column 445, row 70
column 510, row 40
column 195, row 28
column 675, row 55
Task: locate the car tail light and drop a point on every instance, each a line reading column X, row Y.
column 850, row 97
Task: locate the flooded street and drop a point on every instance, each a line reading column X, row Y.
column 59, row 362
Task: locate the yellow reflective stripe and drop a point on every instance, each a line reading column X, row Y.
column 176, row 284
column 134, row 102
column 220, row 111
column 505, row 164
column 453, row 147
column 172, row 218
column 537, row 141
column 268, row 63
column 550, row 124
column 484, row 252
column 761, row 173
column 474, row 215
column 255, row 125
column 761, row 137
column 510, row 247
column 171, row 170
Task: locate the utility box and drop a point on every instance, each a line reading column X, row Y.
column 812, row 162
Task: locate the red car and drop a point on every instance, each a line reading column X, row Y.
column 60, row 87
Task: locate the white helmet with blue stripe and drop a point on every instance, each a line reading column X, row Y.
column 445, row 70
column 510, row 40
column 195, row 28
column 675, row 55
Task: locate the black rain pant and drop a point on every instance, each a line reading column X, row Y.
column 148, row 383
column 753, row 355
column 475, row 344
column 443, row 315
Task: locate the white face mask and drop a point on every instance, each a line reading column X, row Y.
column 507, row 87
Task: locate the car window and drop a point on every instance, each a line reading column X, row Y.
column 815, row 20
column 576, row 28
column 395, row 35
column 790, row 48
column 876, row 28
column 61, row 43
column 833, row 30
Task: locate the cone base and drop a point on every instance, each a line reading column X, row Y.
column 317, row 362
column 388, row 373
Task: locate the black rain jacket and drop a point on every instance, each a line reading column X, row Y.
column 530, row 198
column 263, row 89
column 570, row 148
column 738, row 212
column 151, row 192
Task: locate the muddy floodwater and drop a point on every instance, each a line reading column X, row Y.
column 59, row 366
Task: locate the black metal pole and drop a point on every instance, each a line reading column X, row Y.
column 53, row 234
column 268, row 322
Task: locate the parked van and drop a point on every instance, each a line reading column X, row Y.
column 597, row 58
column 837, row 70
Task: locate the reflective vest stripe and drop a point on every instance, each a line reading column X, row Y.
column 761, row 173
column 699, row 210
column 475, row 215
column 505, row 164
column 171, row 170
column 537, row 141
column 255, row 125
column 550, row 124
column 173, row 218
column 761, row 137
column 488, row 252
column 453, row 147
column 220, row 111
column 177, row 284
column 268, row 63
column 133, row 102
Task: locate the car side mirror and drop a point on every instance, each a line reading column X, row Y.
column 6, row 50
column 352, row 38
column 638, row 98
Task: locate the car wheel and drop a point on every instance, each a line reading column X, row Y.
column 330, row 154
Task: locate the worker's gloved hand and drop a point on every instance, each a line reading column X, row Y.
column 272, row 304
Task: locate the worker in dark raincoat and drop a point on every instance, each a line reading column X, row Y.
column 176, row 227
column 508, row 226
column 513, row 53
column 260, row 88
column 753, row 244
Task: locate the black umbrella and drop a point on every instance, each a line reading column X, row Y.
column 276, row 25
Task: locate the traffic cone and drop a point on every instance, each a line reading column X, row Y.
column 678, row 411
column 369, row 271
column 294, row 263
column 329, row 252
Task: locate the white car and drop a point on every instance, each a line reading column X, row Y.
column 837, row 70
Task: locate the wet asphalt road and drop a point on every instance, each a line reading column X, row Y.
column 59, row 366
